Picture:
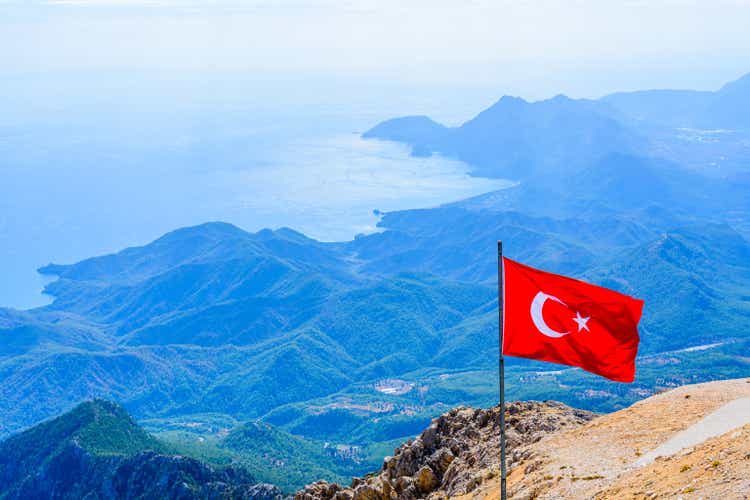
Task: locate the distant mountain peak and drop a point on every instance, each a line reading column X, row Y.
column 96, row 450
column 740, row 84
column 284, row 233
column 727, row 108
column 407, row 129
column 516, row 139
column 213, row 229
column 97, row 425
column 561, row 98
column 511, row 99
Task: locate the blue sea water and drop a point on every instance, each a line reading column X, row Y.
column 92, row 163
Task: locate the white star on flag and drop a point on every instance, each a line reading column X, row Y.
column 582, row 322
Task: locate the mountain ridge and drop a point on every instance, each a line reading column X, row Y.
column 96, row 450
column 550, row 139
column 334, row 337
column 505, row 139
column 361, row 343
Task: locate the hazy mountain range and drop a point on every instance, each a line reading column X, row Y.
column 350, row 347
column 542, row 141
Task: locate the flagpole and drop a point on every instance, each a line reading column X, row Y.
column 501, row 370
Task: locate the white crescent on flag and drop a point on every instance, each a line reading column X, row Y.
column 537, row 305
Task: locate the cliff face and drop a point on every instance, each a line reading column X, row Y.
column 75, row 473
column 150, row 475
column 457, row 453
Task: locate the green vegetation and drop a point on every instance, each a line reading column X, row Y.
column 302, row 360
column 286, row 460
column 96, row 450
column 98, row 428
column 302, row 344
column 272, row 455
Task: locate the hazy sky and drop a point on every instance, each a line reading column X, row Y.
column 531, row 48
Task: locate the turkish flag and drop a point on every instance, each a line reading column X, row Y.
column 554, row 318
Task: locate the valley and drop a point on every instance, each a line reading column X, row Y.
column 297, row 360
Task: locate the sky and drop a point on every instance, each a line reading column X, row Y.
column 116, row 110
column 533, row 49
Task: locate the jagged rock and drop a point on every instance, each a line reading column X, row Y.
column 426, row 479
column 387, row 489
column 367, row 492
column 260, row 491
column 429, row 436
column 404, row 483
column 320, row 489
column 455, row 453
column 441, row 460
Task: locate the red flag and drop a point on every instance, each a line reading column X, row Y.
column 554, row 318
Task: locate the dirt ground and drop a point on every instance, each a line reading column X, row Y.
column 600, row 459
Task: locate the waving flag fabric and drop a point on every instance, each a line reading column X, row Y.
column 554, row 318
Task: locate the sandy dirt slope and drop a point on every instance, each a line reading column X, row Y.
column 589, row 461
column 717, row 468
column 731, row 416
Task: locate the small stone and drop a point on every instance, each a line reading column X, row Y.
column 366, row 492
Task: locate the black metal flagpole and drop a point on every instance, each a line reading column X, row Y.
column 501, row 370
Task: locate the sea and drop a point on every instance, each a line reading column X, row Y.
column 94, row 162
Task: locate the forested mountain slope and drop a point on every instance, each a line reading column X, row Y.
column 360, row 343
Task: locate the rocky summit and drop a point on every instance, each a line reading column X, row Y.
column 689, row 442
column 455, row 454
